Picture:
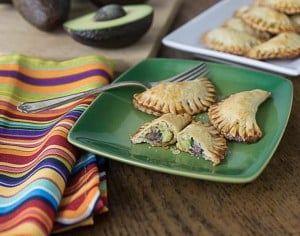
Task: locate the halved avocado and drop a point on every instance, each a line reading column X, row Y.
column 114, row 33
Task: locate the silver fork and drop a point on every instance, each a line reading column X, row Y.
column 35, row 106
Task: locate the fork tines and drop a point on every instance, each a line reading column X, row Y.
column 198, row 71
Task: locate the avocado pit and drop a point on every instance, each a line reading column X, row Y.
column 100, row 3
column 109, row 12
column 112, row 26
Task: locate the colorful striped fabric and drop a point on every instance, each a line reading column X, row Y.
column 85, row 194
column 43, row 178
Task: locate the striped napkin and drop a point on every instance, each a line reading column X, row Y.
column 46, row 184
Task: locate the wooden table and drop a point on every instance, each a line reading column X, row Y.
column 144, row 202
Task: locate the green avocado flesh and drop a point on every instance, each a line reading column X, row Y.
column 113, row 33
column 87, row 22
column 167, row 135
column 185, row 143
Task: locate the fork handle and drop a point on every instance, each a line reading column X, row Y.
column 42, row 105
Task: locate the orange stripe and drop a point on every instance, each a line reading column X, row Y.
column 17, row 150
column 38, row 140
column 50, row 115
column 94, row 181
column 52, row 70
column 71, row 214
column 91, row 176
column 54, row 88
column 21, row 225
column 53, row 113
column 41, row 174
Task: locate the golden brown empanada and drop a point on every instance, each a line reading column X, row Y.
column 284, row 45
column 241, row 10
column 235, row 116
column 202, row 140
column 266, row 19
column 229, row 40
column 191, row 97
column 296, row 21
column 285, row 6
column 161, row 131
column 239, row 25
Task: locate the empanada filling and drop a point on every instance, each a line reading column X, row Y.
column 195, row 148
column 160, row 133
column 192, row 146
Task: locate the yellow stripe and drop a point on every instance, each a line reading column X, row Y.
column 43, row 173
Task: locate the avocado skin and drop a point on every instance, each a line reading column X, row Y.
column 46, row 15
column 100, row 3
column 5, row 1
column 115, row 37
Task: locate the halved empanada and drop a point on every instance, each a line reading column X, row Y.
column 266, row 19
column 229, row 40
column 235, row 116
column 190, row 97
column 162, row 131
column 239, row 25
column 202, row 140
column 285, row 6
column 284, row 45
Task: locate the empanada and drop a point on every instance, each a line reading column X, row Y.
column 229, row 40
column 284, row 45
column 161, row 131
column 285, row 6
column 191, row 97
column 296, row 21
column 239, row 25
column 235, row 116
column 266, row 19
column 202, row 140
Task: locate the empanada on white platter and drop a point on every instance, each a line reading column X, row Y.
column 228, row 40
column 284, row 45
column 239, row 25
column 285, row 6
column 235, row 116
column 191, row 97
column 202, row 140
column 296, row 21
column 266, row 19
column 161, row 131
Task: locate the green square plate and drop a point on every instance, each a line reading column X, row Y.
column 105, row 127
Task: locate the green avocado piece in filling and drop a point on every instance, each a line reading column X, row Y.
column 186, row 143
column 167, row 135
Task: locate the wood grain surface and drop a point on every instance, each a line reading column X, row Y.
column 18, row 36
column 144, row 202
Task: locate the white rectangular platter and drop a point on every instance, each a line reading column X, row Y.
column 187, row 38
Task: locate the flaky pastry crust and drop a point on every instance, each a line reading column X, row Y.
column 266, row 19
column 228, row 40
column 285, row 6
column 191, row 97
column 235, row 116
column 284, row 45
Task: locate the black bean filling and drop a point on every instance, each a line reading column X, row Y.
column 195, row 148
column 154, row 136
